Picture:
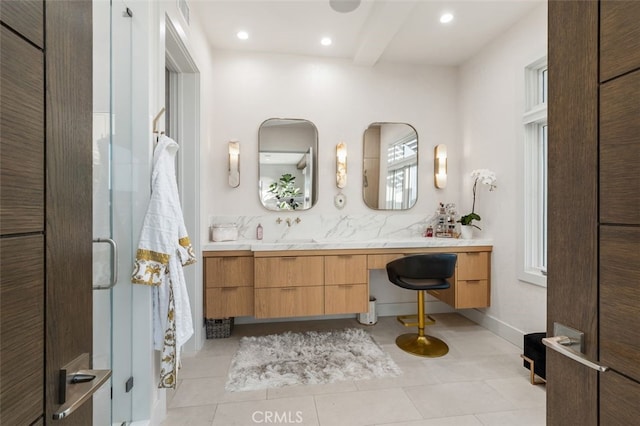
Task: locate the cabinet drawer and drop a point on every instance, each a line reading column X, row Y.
column 229, row 302
column 294, row 271
column 379, row 261
column 472, row 294
column 231, row 271
column 345, row 269
column 289, row 302
column 473, row 266
column 346, row 298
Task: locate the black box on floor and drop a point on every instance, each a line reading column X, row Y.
column 535, row 350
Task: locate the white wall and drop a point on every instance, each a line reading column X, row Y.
column 341, row 100
column 491, row 100
column 148, row 70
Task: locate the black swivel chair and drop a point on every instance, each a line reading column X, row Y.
column 422, row 272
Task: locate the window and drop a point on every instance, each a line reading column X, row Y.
column 402, row 173
column 534, row 259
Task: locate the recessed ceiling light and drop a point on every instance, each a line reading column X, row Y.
column 243, row 35
column 326, row 41
column 445, row 18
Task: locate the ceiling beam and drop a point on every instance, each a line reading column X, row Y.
column 384, row 21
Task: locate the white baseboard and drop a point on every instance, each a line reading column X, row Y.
column 495, row 325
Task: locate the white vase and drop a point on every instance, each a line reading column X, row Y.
column 466, row 232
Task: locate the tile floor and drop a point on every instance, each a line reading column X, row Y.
column 480, row 381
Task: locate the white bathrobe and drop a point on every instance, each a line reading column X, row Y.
column 163, row 250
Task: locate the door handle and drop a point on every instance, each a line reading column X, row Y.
column 77, row 384
column 564, row 342
column 114, row 263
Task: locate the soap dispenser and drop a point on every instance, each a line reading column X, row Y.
column 259, row 232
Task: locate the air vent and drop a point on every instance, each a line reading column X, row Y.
column 183, row 6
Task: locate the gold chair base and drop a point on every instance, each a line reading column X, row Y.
column 404, row 320
column 427, row 346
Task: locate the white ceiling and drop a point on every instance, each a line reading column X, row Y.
column 391, row 31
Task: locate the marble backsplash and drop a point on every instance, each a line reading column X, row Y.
column 361, row 227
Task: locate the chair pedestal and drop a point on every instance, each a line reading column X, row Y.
column 419, row 343
column 427, row 346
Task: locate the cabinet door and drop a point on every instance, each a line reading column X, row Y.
column 229, row 302
column 345, row 269
column 346, row 298
column 229, row 271
column 472, row 294
column 289, row 302
column 473, row 266
column 289, row 271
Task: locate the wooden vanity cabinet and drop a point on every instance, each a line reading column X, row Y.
column 277, row 284
column 346, row 288
column 289, row 286
column 472, row 280
column 228, row 282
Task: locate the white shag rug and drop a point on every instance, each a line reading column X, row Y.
column 310, row 357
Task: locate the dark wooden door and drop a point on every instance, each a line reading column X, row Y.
column 594, row 209
column 22, row 213
column 69, row 219
column 45, row 203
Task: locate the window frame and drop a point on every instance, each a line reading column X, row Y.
column 532, row 268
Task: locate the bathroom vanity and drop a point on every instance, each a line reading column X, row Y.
column 290, row 279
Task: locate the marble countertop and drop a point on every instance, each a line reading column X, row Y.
column 326, row 244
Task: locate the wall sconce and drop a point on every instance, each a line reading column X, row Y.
column 234, row 164
column 341, row 165
column 440, row 166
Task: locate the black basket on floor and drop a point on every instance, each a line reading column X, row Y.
column 219, row 328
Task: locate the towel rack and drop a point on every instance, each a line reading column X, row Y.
column 155, row 124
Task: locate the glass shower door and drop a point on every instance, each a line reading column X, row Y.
column 112, row 325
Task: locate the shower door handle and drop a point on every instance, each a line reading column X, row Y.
column 114, row 263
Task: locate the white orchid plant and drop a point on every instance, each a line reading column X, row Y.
column 485, row 177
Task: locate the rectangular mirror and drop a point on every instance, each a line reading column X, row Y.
column 390, row 166
column 287, row 164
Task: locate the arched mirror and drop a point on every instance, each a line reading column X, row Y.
column 287, row 152
column 390, row 169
